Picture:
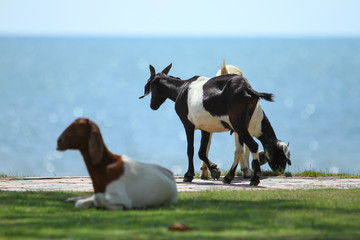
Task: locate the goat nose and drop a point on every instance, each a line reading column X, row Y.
column 60, row 142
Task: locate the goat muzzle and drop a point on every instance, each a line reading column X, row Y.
column 60, row 144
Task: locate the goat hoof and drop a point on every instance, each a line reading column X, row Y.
column 254, row 181
column 215, row 174
column 204, row 173
column 246, row 172
column 227, row 179
column 188, row 177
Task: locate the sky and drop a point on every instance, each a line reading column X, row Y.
column 219, row 18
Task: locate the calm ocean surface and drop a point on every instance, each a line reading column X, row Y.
column 45, row 83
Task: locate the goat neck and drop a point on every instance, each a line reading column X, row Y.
column 172, row 85
column 268, row 137
column 99, row 173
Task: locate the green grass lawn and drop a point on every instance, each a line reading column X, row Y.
column 254, row 214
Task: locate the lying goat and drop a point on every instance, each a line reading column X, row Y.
column 119, row 182
column 212, row 105
column 275, row 151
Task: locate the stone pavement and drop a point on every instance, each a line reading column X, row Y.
column 269, row 183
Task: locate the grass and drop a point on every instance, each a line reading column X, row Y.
column 314, row 173
column 260, row 214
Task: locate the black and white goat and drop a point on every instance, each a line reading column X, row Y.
column 275, row 151
column 224, row 103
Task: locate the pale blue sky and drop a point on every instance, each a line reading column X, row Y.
column 285, row 18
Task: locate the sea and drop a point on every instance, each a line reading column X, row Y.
column 48, row 82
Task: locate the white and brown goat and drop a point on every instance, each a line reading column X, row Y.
column 223, row 103
column 119, row 182
column 275, row 151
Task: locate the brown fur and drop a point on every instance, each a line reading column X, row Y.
column 102, row 165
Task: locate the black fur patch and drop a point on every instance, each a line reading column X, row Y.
column 223, row 91
column 227, row 126
column 268, row 136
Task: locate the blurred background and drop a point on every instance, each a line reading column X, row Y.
column 60, row 60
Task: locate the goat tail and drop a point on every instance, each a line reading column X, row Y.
column 267, row 96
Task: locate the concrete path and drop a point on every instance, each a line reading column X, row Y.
column 269, row 183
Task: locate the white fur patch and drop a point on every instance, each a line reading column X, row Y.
column 141, row 185
column 255, row 121
column 285, row 148
column 201, row 118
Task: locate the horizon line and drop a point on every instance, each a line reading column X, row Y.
column 184, row 36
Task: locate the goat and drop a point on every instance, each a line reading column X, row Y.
column 216, row 104
column 275, row 151
column 119, row 182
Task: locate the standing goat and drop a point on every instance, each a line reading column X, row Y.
column 212, row 105
column 275, row 151
column 119, row 182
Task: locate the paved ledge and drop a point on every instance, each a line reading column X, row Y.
column 77, row 184
column 83, row 184
column 270, row 183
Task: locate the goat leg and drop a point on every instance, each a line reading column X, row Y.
column 228, row 178
column 231, row 174
column 204, row 172
column 255, row 180
column 189, row 175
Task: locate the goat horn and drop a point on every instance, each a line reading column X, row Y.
column 167, row 69
column 223, row 69
column 152, row 71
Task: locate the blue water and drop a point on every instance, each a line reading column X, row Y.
column 45, row 83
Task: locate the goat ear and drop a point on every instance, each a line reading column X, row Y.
column 96, row 145
column 152, row 71
column 224, row 70
column 167, row 69
column 288, row 162
column 147, row 88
